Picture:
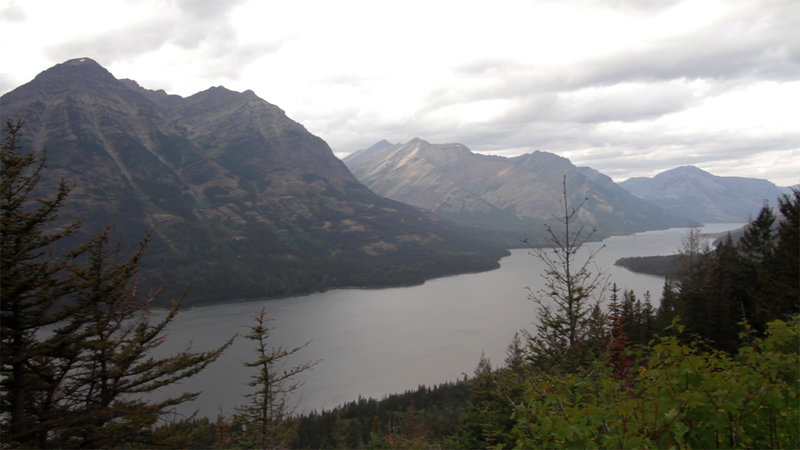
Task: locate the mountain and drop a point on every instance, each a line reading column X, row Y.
column 242, row 201
column 509, row 196
column 365, row 154
column 704, row 197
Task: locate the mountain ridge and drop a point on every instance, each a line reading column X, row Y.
column 703, row 196
column 242, row 201
column 510, row 196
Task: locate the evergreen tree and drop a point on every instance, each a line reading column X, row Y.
column 726, row 299
column 567, row 310
column 488, row 419
column 787, row 258
column 29, row 284
column 757, row 269
column 267, row 416
column 671, row 307
column 110, row 327
column 77, row 341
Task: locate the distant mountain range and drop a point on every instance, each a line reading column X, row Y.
column 704, row 197
column 512, row 197
column 242, row 200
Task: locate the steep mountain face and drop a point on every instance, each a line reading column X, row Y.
column 704, row 197
column 510, row 196
column 242, row 201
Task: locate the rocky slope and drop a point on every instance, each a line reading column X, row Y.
column 510, row 196
column 242, row 201
column 704, row 197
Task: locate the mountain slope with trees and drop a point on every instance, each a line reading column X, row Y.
column 241, row 200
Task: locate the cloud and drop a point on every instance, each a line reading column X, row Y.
column 623, row 85
column 195, row 26
column 12, row 12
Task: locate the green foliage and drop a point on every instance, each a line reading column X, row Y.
column 677, row 396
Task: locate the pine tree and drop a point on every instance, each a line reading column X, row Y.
column 267, row 416
column 111, row 326
column 567, row 302
column 787, row 258
column 29, row 284
column 670, row 308
column 77, row 340
column 757, row 269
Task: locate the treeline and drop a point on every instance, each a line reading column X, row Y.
column 425, row 416
column 662, row 265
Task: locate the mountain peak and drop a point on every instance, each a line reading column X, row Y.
column 686, row 170
column 382, row 143
column 77, row 67
column 77, row 74
column 81, row 62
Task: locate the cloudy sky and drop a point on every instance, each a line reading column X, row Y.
column 630, row 88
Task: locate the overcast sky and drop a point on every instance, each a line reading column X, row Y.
column 630, row 88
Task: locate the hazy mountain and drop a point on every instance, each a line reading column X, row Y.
column 365, row 154
column 512, row 196
column 704, row 197
column 242, row 200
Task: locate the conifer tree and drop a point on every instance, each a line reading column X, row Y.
column 29, row 285
column 757, row 269
column 267, row 415
column 77, row 340
column 670, row 307
column 567, row 311
column 114, row 335
column 787, row 257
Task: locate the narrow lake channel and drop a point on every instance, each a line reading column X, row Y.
column 374, row 342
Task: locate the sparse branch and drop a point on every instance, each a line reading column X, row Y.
column 571, row 290
column 266, row 415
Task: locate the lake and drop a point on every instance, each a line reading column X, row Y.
column 373, row 342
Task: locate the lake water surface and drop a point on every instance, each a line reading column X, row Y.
column 373, row 342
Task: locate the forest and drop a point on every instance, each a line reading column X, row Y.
column 716, row 364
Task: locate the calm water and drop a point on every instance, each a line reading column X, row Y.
column 377, row 342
